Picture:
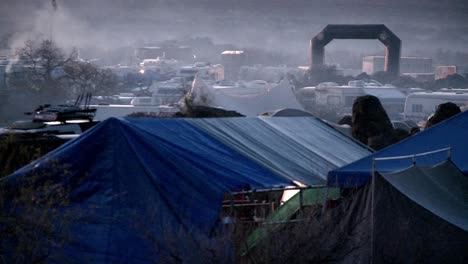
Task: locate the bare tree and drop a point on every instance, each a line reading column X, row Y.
column 48, row 72
column 34, row 222
column 86, row 77
column 41, row 66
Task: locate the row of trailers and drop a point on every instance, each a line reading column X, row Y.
column 413, row 104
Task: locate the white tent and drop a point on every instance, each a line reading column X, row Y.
column 278, row 97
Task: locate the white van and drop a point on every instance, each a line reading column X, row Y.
column 342, row 97
column 419, row 106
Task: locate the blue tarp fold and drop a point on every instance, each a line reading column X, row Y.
column 451, row 133
column 302, row 149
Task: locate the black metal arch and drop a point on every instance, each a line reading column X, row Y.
column 380, row 32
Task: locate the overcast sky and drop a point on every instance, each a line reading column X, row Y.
column 271, row 24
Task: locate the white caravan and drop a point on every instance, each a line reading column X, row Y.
column 419, row 106
column 341, row 97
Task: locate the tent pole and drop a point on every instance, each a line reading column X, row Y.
column 317, row 196
column 301, row 199
column 280, row 189
column 232, row 204
column 372, row 210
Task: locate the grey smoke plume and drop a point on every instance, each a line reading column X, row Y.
column 283, row 26
column 62, row 26
column 54, row 5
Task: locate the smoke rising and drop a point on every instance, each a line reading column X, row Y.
column 99, row 28
column 54, row 5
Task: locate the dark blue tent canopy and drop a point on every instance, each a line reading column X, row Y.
column 137, row 185
column 150, row 190
column 451, row 133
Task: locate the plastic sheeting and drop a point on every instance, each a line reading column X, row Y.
column 150, row 190
column 142, row 183
column 441, row 189
column 372, row 225
column 286, row 211
column 450, row 133
column 303, row 149
column 408, row 232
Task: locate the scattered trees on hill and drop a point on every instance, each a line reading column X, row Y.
column 47, row 71
column 43, row 73
column 40, row 69
column 451, row 81
column 86, row 77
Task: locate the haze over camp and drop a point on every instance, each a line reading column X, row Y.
column 203, row 131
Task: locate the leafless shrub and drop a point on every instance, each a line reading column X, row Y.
column 179, row 243
column 317, row 235
column 33, row 222
column 17, row 150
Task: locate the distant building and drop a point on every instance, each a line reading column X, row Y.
column 232, row 61
column 122, row 70
column 3, row 65
column 181, row 53
column 441, row 72
column 410, row 65
column 2, row 76
column 205, row 71
column 216, row 72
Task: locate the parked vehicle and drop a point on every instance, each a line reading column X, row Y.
column 68, row 119
column 406, row 125
column 419, row 106
column 341, row 97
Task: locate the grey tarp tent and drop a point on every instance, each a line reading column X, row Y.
column 418, row 215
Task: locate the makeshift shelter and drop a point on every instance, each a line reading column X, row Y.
column 418, row 215
column 450, row 133
column 150, row 190
column 416, row 208
column 303, row 149
column 164, row 178
column 442, row 190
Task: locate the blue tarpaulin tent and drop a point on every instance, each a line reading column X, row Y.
column 451, row 133
column 171, row 175
column 302, row 149
column 149, row 190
